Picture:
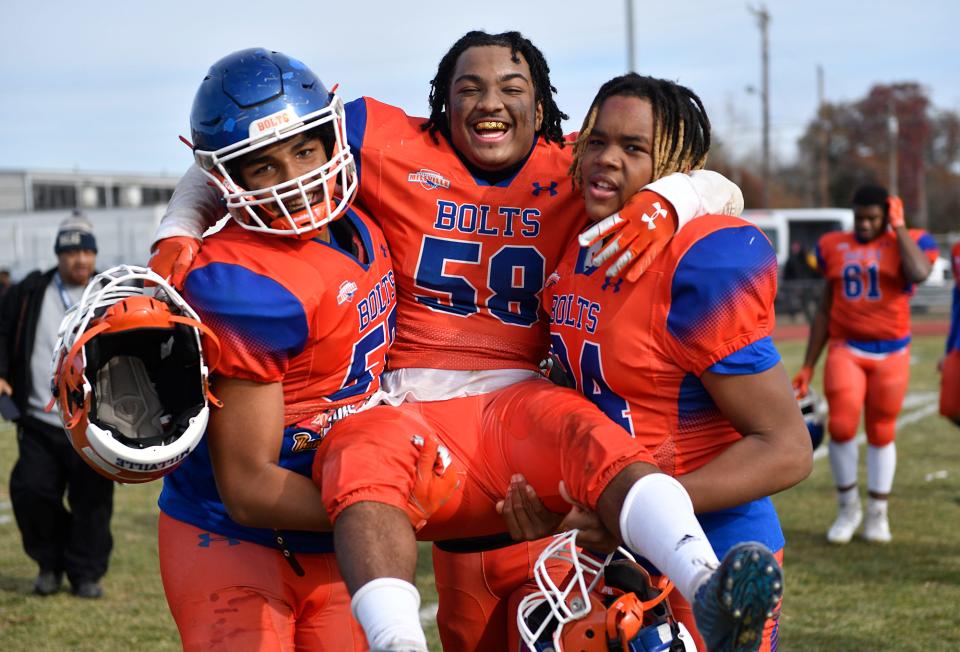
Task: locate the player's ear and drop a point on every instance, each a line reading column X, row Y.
column 538, row 116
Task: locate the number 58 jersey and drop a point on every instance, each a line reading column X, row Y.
column 470, row 257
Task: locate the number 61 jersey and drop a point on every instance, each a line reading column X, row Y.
column 871, row 296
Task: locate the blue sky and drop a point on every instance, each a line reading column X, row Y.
column 107, row 86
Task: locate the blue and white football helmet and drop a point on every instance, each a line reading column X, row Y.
column 814, row 410
column 256, row 98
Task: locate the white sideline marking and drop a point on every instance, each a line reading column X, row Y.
column 428, row 613
column 928, row 405
column 5, row 518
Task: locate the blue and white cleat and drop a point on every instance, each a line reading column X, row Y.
column 732, row 606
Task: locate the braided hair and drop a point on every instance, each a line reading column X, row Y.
column 681, row 128
column 550, row 127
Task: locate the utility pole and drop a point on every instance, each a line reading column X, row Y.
column 631, row 60
column 893, row 136
column 823, row 177
column 763, row 22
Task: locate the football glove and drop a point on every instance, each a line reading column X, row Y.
column 801, row 382
column 638, row 232
column 172, row 257
column 435, row 482
column 895, row 212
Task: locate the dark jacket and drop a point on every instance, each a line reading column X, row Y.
column 19, row 313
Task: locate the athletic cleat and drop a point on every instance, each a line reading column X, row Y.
column 731, row 618
column 876, row 528
column 848, row 520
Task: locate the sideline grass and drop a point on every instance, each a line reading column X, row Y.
column 861, row 597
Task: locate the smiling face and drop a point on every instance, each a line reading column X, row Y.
column 617, row 160
column 492, row 108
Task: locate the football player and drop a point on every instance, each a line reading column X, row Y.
column 682, row 358
column 300, row 291
column 474, row 204
column 864, row 321
column 950, row 365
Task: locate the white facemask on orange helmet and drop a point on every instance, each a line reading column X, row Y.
column 130, row 375
column 602, row 604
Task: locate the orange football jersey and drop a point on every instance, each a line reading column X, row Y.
column 470, row 258
column 638, row 350
column 871, row 296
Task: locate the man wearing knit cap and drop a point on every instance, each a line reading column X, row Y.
column 74, row 541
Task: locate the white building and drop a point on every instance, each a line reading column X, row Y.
column 124, row 209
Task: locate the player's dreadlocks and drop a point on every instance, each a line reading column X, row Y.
column 681, row 128
column 440, row 85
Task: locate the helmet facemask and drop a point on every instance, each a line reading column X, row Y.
column 298, row 207
column 130, row 375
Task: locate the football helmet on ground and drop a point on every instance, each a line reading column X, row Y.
column 130, row 375
column 256, row 98
column 602, row 605
column 814, row 410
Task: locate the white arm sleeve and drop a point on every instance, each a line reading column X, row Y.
column 194, row 207
column 701, row 192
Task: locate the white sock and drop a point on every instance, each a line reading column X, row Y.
column 881, row 465
column 848, row 497
column 657, row 521
column 877, row 507
column 843, row 462
column 388, row 609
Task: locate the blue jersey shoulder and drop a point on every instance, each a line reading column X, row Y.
column 257, row 309
column 714, row 275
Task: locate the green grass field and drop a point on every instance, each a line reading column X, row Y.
column 903, row 596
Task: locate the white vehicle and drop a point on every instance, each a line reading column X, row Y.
column 784, row 226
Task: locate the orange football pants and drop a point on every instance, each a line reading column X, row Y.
column 950, row 386
column 547, row 433
column 683, row 612
column 854, row 381
column 479, row 594
column 236, row 596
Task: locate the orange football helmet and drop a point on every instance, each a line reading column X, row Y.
column 130, row 375
column 602, row 605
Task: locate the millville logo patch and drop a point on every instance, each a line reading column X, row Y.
column 428, row 179
column 347, row 290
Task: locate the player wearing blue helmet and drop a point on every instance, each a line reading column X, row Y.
column 245, row 553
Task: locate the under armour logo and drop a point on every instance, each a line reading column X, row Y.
column 687, row 538
column 616, row 285
column 206, row 539
column 537, row 188
column 658, row 211
column 383, row 250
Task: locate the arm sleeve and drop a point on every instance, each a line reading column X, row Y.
column 721, row 306
column 194, row 207
column 261, row 324
column 701, row 192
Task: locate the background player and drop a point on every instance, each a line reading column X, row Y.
column 864, row 315
column 474, row 204
column 681, row 358
column 303, row 307
column 950, row 365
